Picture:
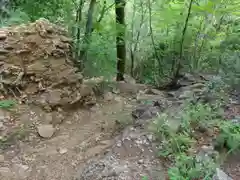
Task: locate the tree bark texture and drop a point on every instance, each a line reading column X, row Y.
column 88, row 32
column 120, row 39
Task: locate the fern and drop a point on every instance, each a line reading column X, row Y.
column 6, row 104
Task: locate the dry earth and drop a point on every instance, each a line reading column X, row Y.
column 82, row 135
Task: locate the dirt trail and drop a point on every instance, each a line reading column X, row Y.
column 83, row 134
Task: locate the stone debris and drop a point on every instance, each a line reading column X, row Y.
column 22, row 170
column 46, row 131
column 35, row 64
column 2, row 158
column 6, row 172
column 62, row 150
column 220, row 175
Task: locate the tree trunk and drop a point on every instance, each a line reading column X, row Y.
column 77, row 30
column 178, row 63
column 120, row 39
column 88, row 33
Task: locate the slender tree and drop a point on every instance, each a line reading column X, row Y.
column 88, row 33
column 178, row 63
column 120, row 39
column 77, row 30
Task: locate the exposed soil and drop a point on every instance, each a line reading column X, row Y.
column 82, row 135
column 232, row 166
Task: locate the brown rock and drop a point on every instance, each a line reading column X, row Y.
column 108, row 96
column 145, row 111
column 73, row 77
column 149, row 97
column 3, row 35
column 3, row 51
column 46, row 131
column 62, row 150
column 21, row 170
column 129, row 79
column 1, row 158
column 127, row 88
column 65, row 39
column 154, row 92
column 6, row 172
column 8, row 47
column 2, row 58
column 48, row 118
column 37, row 67
column 86, row 90
column 54, row 97
column 57, row 118
column 98, row 149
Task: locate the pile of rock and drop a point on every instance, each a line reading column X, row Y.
column 34, row 63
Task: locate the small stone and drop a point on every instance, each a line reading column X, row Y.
column 1, row 158
column 207, row 148
column 1, row 125
column 119, row 144
column 2, row 58
column 68, row 122
column 57, row 118
column 54, row 97
column 186, row 95
column 48, row 118
column 62, row 150
column 206, row 153
column 150, row 137
column 94, row 108
column 236, row 120
column 22, row 170
column 118, row 99
column 220, row 175
column 46, row 131
column 3, row 51
column 65, row 39
column 8, row 47
column 141, row 161
column 155, row 92
column 5, row 172
column 108, row 96
column 3, row 35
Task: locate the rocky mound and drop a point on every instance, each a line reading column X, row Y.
column 35, row 65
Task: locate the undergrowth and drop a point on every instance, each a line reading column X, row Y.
column 6, row 104
column 179, row 145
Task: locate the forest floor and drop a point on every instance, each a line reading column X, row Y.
column 83, row 135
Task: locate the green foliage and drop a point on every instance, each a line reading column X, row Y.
column 16, row 17
column 200, row 116
column 144, row 178
column 102, row 59
column 176, row 144
column 187, row 168
column 52, row 10
column 18, row 133
column 229, row 136
column 6, row 104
